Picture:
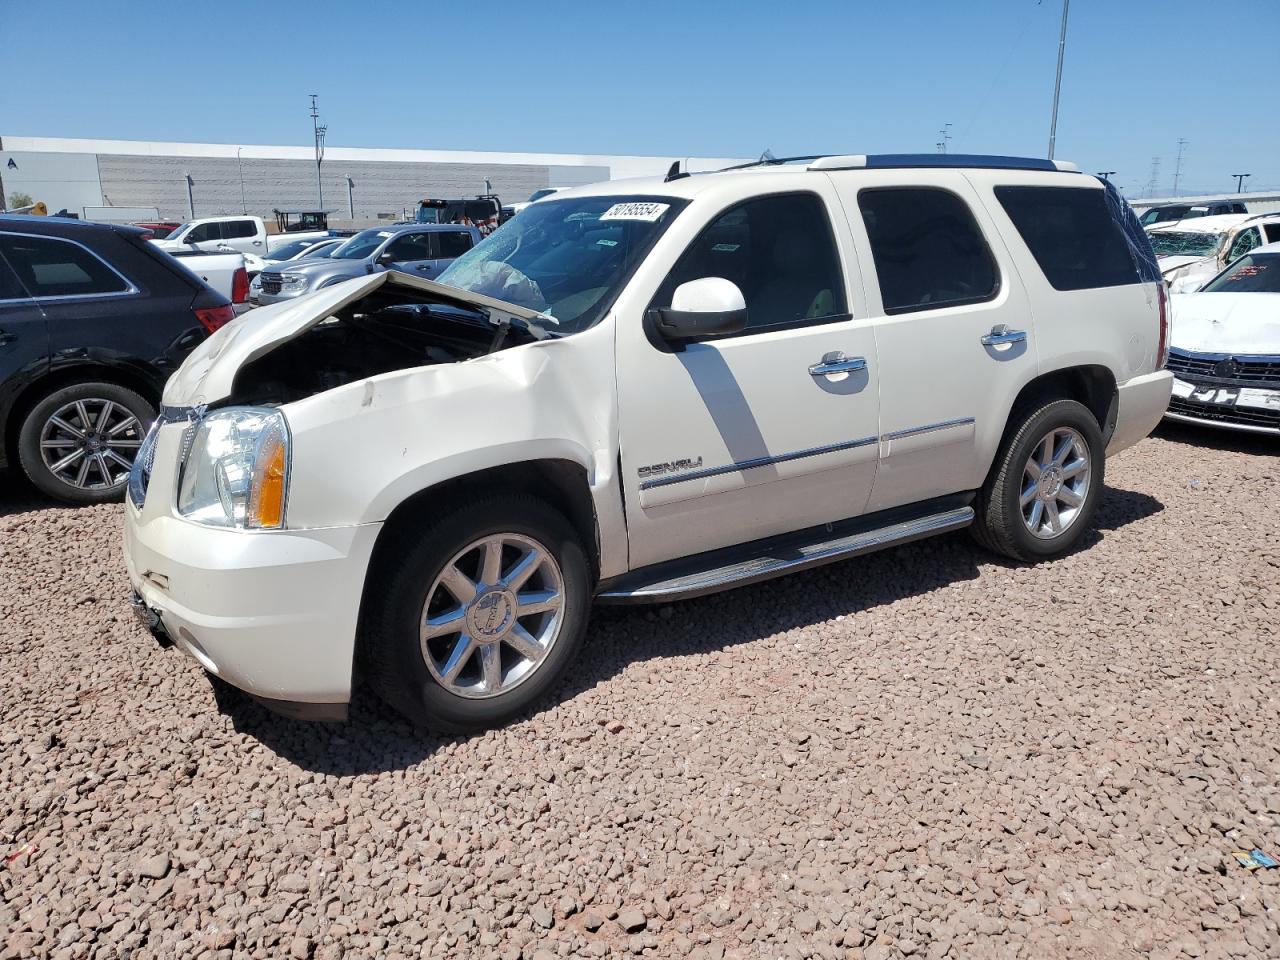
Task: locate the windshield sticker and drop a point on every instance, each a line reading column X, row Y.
column 646, row 212
column 725, row 247
column 606, row 243
column 385, row 233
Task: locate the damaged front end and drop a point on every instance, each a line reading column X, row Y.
column 359, row 329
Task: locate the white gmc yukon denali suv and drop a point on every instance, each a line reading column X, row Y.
column 640, row 391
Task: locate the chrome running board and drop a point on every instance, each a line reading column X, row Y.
column 763, row 560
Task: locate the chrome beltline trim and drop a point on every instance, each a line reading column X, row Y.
column 927, row 428
column 755, row 462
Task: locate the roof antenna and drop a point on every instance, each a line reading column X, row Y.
column 674, row 172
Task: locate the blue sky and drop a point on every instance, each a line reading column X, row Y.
column 702, row 77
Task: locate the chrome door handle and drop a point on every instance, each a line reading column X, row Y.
column 1000, row 334
column 837, row 363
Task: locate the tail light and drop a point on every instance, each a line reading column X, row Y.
column 1162, row 341
column 211, row 318
column 240, row 286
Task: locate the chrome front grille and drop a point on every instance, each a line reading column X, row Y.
column 1225, row 368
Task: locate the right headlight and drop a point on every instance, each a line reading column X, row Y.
column 236, row 470
column 292, row 279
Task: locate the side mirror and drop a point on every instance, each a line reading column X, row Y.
column 190, row 238
column 385, row 258
column 702, row 308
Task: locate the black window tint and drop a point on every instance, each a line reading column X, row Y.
column 1072, row 235
column 239, row 229
column 779, row 251
column 10, row 289
column 202, row 232
column 453, row 243
column 1272, row 230
column 927, row 249
column 411, row 246
column 49, row 267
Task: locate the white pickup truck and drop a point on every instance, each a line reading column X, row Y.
column 246, row 234
column 224, row 271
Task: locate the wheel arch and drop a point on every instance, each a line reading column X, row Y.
column 1092, row 385
column 66, row 375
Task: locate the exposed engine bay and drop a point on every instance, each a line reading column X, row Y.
column 391, row 329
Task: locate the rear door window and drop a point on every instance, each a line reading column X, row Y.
column 928, row 250
column 239, row 229
column 409, row 247
column 1072, row 235
column 452, row 243
column 50, row 267
column 780, row 252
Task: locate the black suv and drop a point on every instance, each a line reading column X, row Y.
column 93, row 320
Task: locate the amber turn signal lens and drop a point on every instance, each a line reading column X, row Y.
column 266, row 508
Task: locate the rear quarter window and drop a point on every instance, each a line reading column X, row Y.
column 1072, row 235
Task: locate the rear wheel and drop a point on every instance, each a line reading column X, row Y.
column 481, row 614
column 78, row 443
column 1043, row 493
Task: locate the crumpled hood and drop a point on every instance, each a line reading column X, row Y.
column 209, row 372
column 1235, row 323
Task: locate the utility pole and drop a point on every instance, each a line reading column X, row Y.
column 1177, row 166
column 1106, row 174
column 944, row 137
column 319, row 130
column 1240, row 179
column 1057, row 82
column 244, row 208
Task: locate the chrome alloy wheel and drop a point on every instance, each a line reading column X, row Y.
column 492, row 616
column 91, row 443
column 1055, row 483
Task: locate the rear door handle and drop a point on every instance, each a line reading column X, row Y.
column 1001, row 334
column 837, row 363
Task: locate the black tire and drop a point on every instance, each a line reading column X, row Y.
column 999, row 524
column 95, row 488
column 394, row 661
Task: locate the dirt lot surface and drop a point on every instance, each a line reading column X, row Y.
column 927, row 752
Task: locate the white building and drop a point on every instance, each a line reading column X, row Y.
column 358, row 183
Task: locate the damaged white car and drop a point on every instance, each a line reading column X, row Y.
column 640, row 391
column 1192, row 252
column 1225, row 347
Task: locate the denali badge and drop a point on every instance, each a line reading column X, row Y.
column 671, row 466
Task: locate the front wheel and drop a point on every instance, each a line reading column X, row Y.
column 1043, row 493
column 480, row 616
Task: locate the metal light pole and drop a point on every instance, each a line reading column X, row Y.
column 1057, row 83
column 1240, row 179
column 319, row 130
column 191, row 196
column 1106, row 174
column 244, row 208
column 351, row 201
column 1177, row 164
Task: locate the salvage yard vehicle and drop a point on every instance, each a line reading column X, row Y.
column 224, row 271
column 1170, row 212
column 245, row 234
column 639, row 391
column 93, row 320
column 423, row 250
column 1225, row 347
column 1192, row 252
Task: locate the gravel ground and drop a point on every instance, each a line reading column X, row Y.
column 927, row 752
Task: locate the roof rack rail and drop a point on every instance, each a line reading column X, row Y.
column 771, row 161
column 884, row 161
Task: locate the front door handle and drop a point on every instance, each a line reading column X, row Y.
column 7, row 338
column 1001, row 334
column 837, row 363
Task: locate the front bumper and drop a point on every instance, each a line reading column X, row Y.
column 279, row 296
column 1231, row 391
column 1141, row 403
column 273, row 613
